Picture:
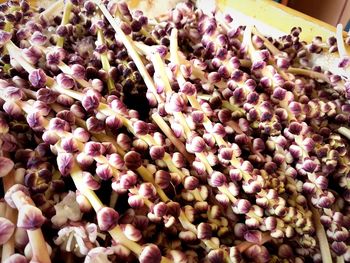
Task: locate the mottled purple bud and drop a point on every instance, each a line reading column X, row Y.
column 128, row 180
column 90, row 181
column 107, row 218
column 131, row 232
column 95, row 125
column 309, row 166
column 132, row 160
column 160, row 209
column 7, row 229
column 339, row 248
column 157, row 152
column 150, row 254
column 242, row 206
column 198, row 144
column 6, row 165
column 104, row 171
column 36, row 121
column 204, row 231
column 176, row 103
column 65, row 162
column 162, row 179
column 78, row 71
column 46, row 95
column 4, row 37
column 147, row 190
column 114, row 123
column 140, row 128
column 91, row 100
column 30, row 217
column 37, row 78
column 189, row 89
column 38, row 38
column 65, row 81
column 217, row 179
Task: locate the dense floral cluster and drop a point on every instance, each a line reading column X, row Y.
column 183, row 138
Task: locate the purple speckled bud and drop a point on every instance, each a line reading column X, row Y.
column 217, row 179
column 188, row 88
column 140, row 127
column 37, row 78
column 132, row 160
column 65, row 162
column 30, row 217
column 147, row 190
column 150, row 254
column 65, row 81
column 107, row 218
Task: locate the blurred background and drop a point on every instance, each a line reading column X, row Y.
column 330, row 11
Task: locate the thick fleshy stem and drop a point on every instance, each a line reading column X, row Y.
column 35, row 235
column 11, row 214
column 65, row 20
column 104, row 60
column 321, row 236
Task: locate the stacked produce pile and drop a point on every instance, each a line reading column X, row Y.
column 177, row 139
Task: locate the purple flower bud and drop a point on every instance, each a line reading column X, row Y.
column 217, row 179
column 38, row 38
column 94, row 125
column 128, row 180
column 176, row 103
column 226, row 154
column 271, row 223
column 65, row 81
column 157, row 152
column 219, row 129
column 253, row 236
column 46, row 95
column 91, row 100
column 150, row 254
column 160, row 209
column 191, row 182
column 65, row 162
column 188, row 88
column 136, row 201
column 339, row 248
column 198, row 144
column 107, row 218
column 37, row 78
column 162, row 179
column 14, row 93
column 147, row 190
column 123, row 141
column 295, row 151
column 6, row 165
column 53, row 58
column 131, row 232
column 140, row 128
column 132, row 160
column 178, row 159
column 242, row 206
column 30, row 217
column 7, row 229
column 104, row 171
column 295, row 128
column 216, row 256
column 204, row 231
column 4, row 37
column 114, row 123
column 90, row 181
column 309, row 166
column 78, row 71
column 36, row 121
